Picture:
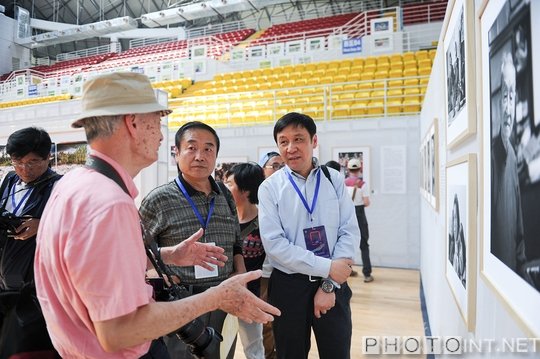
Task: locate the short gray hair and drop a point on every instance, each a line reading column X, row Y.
column 101, row 126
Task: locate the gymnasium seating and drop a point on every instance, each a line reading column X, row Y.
column 161, row 52
column 303, row 29
column 34, row 101
column 334, row 90
column 418, row 13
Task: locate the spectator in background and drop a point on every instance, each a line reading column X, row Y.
column 271, row 162
column 24, row 192
column 359, row 194
column 176, row 210
column 243, row 180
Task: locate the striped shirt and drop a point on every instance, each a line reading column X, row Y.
column 170, row 219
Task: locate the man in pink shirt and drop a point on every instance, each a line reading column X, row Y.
column 90, row 260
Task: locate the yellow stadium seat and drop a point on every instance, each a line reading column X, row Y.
column 350, row 87
column 356, row 68
column 362, row 97
column 421, row 54
column 370, row 67
column 411, row 93
column 381, row 74
column 340, row 78
column 359, row 61
column 424, row 71
column 367, row 76
column 394, row 105
column 358, row 109
column 410, row 72
column 365, row 85
column 396, row 57
column 424, row 62
column 375, row 107
column 310, row 67
column 408, row 56
column 340, row 110
column 410, row 82
column 355, row 76
column 411, row 106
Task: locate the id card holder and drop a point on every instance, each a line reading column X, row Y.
column 316, row 242
column 201, row 272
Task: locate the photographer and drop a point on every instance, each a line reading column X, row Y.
column 24, row 193
column 90, row 259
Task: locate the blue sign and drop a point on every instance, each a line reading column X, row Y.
column 32, row 90
column 350, row 46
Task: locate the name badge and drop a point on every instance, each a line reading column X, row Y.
column 201, row 272
column 316, row 242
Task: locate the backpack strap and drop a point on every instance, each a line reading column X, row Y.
column 326, row 173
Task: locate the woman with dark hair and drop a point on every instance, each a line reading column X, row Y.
column 243, row 180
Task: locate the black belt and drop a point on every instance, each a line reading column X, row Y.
column 305, row 277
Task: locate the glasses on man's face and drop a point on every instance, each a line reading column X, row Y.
column 28, row 165
column 275, row 166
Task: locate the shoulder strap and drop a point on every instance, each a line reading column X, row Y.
column 6, row 183
column 228, row 197
column 251, row 227
column 326, row 173
column 107, row 170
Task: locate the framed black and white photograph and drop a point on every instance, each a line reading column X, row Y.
column 459, row 74
column 343, row 155
column 460, row 258
column 510, row 256
column 429, row 152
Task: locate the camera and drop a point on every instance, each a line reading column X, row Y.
column 9, row 222
column 201, row 340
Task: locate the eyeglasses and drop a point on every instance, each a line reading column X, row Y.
column 28, row 165
column 276, row 166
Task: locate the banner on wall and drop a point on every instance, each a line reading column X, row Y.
column 23, row 22
column 350, row 46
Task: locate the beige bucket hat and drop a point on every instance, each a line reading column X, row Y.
column 118, row 93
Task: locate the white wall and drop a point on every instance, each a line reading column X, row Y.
column 493, row 321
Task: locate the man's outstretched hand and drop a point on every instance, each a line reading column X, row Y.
column 190, row 252
column 233, row 297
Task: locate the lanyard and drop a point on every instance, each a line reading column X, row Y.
column 315, row 195
column 23, row 199
column 204, row 223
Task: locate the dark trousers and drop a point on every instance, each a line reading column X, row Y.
column 364, row 236
column 268, row 335
column 293, row 294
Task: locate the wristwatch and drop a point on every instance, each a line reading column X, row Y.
column 328, row 286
